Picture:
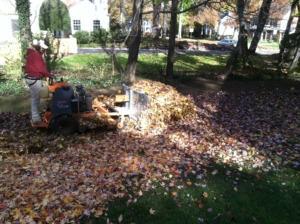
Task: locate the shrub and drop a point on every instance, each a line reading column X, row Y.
column 83, row 37
column 100, row 36
column 12, row 69
column 118, row 36
column 276, row 38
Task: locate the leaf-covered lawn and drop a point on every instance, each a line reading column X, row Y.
column 52, row 179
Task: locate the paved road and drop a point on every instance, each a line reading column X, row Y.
column 263, row 51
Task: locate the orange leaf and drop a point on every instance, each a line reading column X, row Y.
column 77, row 212
column 136, row 160
column 174, row 193
column 68, row 199
column 189, row 183
column 201, row 204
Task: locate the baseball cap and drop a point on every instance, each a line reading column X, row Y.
column 39, row 42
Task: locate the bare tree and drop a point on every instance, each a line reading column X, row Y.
column 262, row 19
column 134, row 41
column 135, row 37
column 165, row 21
column 172, row 37
column 122, row 13
column 285, row 40
column 242, row 45
column 155, row 18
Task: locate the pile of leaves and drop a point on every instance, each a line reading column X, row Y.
column 75, row 176
column 165, row 105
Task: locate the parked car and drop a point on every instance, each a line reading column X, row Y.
column 227, row 42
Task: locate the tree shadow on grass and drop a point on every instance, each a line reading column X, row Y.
column 226, row 196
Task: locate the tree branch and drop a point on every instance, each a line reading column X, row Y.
column 185, row 10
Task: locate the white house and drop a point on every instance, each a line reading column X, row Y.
column 8, row 21
column 85, row 15
column 226, row 26
column 88, row 15
column 274, row 26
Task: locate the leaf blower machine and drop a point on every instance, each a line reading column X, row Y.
column 67, row 106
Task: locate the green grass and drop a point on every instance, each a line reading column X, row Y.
column 94, row 71
column 268, row 44
column 149, row 65
column 233, row 196
column 12, row 87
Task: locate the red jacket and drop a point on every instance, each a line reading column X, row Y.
column 35, row 65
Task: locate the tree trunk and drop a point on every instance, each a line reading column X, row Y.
column 155, row 19
column 244, row 38
column 122, row 13
column 172, row 37
column 23, row 9
column 242, row 44
column 164, row 31
column 232, row 59
column 134, row 44
column 291, row 57
column 298, row 21
column 180, row 25
column 262, row 19
column 285, row 38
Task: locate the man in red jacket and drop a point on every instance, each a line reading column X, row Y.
column 35, row 68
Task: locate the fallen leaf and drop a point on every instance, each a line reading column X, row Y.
column 152, row 212
column 120, row 218
column 201, row 204
column 201, row 219
column 174, row 193
column 205, row 194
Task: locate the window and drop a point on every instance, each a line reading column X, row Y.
column 96, row 24
column 254, row 21
column 273, row 22
column 15, row 27
column 76, row 25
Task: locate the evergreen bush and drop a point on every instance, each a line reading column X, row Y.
column 83, row 37
column 100, row 36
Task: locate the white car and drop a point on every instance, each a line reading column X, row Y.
column 227, row 42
